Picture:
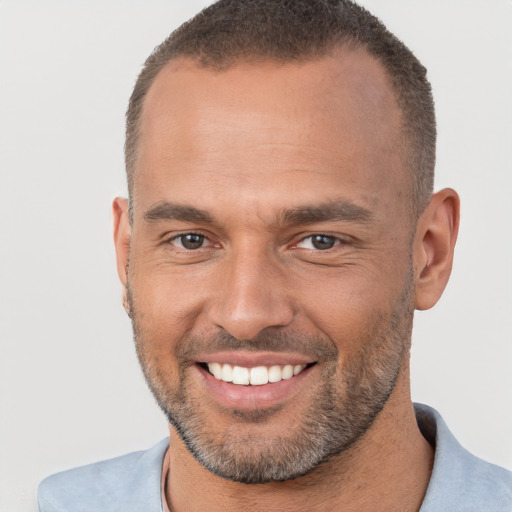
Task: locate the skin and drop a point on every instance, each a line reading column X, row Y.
column 243, row 145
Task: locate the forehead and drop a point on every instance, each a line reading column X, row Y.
column 335, row 117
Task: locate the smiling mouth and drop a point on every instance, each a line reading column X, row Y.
column 256, row 376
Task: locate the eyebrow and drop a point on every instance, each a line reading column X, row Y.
column 165, row 210
column 332, row 211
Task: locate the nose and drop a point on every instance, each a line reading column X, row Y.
column 252, row 295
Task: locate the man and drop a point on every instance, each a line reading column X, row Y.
column 279, row 233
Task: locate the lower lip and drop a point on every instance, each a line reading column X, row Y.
column 236, row 396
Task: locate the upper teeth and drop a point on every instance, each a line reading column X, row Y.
column 256, row 376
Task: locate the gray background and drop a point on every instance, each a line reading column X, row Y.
column 71, row 391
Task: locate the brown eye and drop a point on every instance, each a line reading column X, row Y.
column 323, row 242
column 190, row 241
column 318, row 242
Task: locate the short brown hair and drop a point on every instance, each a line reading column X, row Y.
column 231, row 31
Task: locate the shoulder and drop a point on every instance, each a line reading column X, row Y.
column 459, row 480
column 129, row 482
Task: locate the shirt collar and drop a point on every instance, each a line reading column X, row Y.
column 460, row 481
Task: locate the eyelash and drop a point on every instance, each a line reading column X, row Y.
column 335, row 241
column 183, row 235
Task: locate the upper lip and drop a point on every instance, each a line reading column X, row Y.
column 253, row 359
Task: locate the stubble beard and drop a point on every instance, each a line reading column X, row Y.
column 343, row 410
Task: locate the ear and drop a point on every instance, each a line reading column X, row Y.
column 434, row 245
column 122, row 234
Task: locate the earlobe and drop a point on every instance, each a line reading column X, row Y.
column 122, row 233
column 434, row 245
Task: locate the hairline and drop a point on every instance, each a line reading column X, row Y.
column 416, row 204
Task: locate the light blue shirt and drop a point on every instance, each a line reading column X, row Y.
column 460, row 482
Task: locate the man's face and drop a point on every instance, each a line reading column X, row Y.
column 270, row 246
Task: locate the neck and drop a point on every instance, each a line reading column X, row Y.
column 389, row 465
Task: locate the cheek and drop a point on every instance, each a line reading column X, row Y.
column 165, row 298
column 342, row 301
column 354, row 306
column 158, row 319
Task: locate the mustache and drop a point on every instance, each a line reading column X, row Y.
column 313, row 347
